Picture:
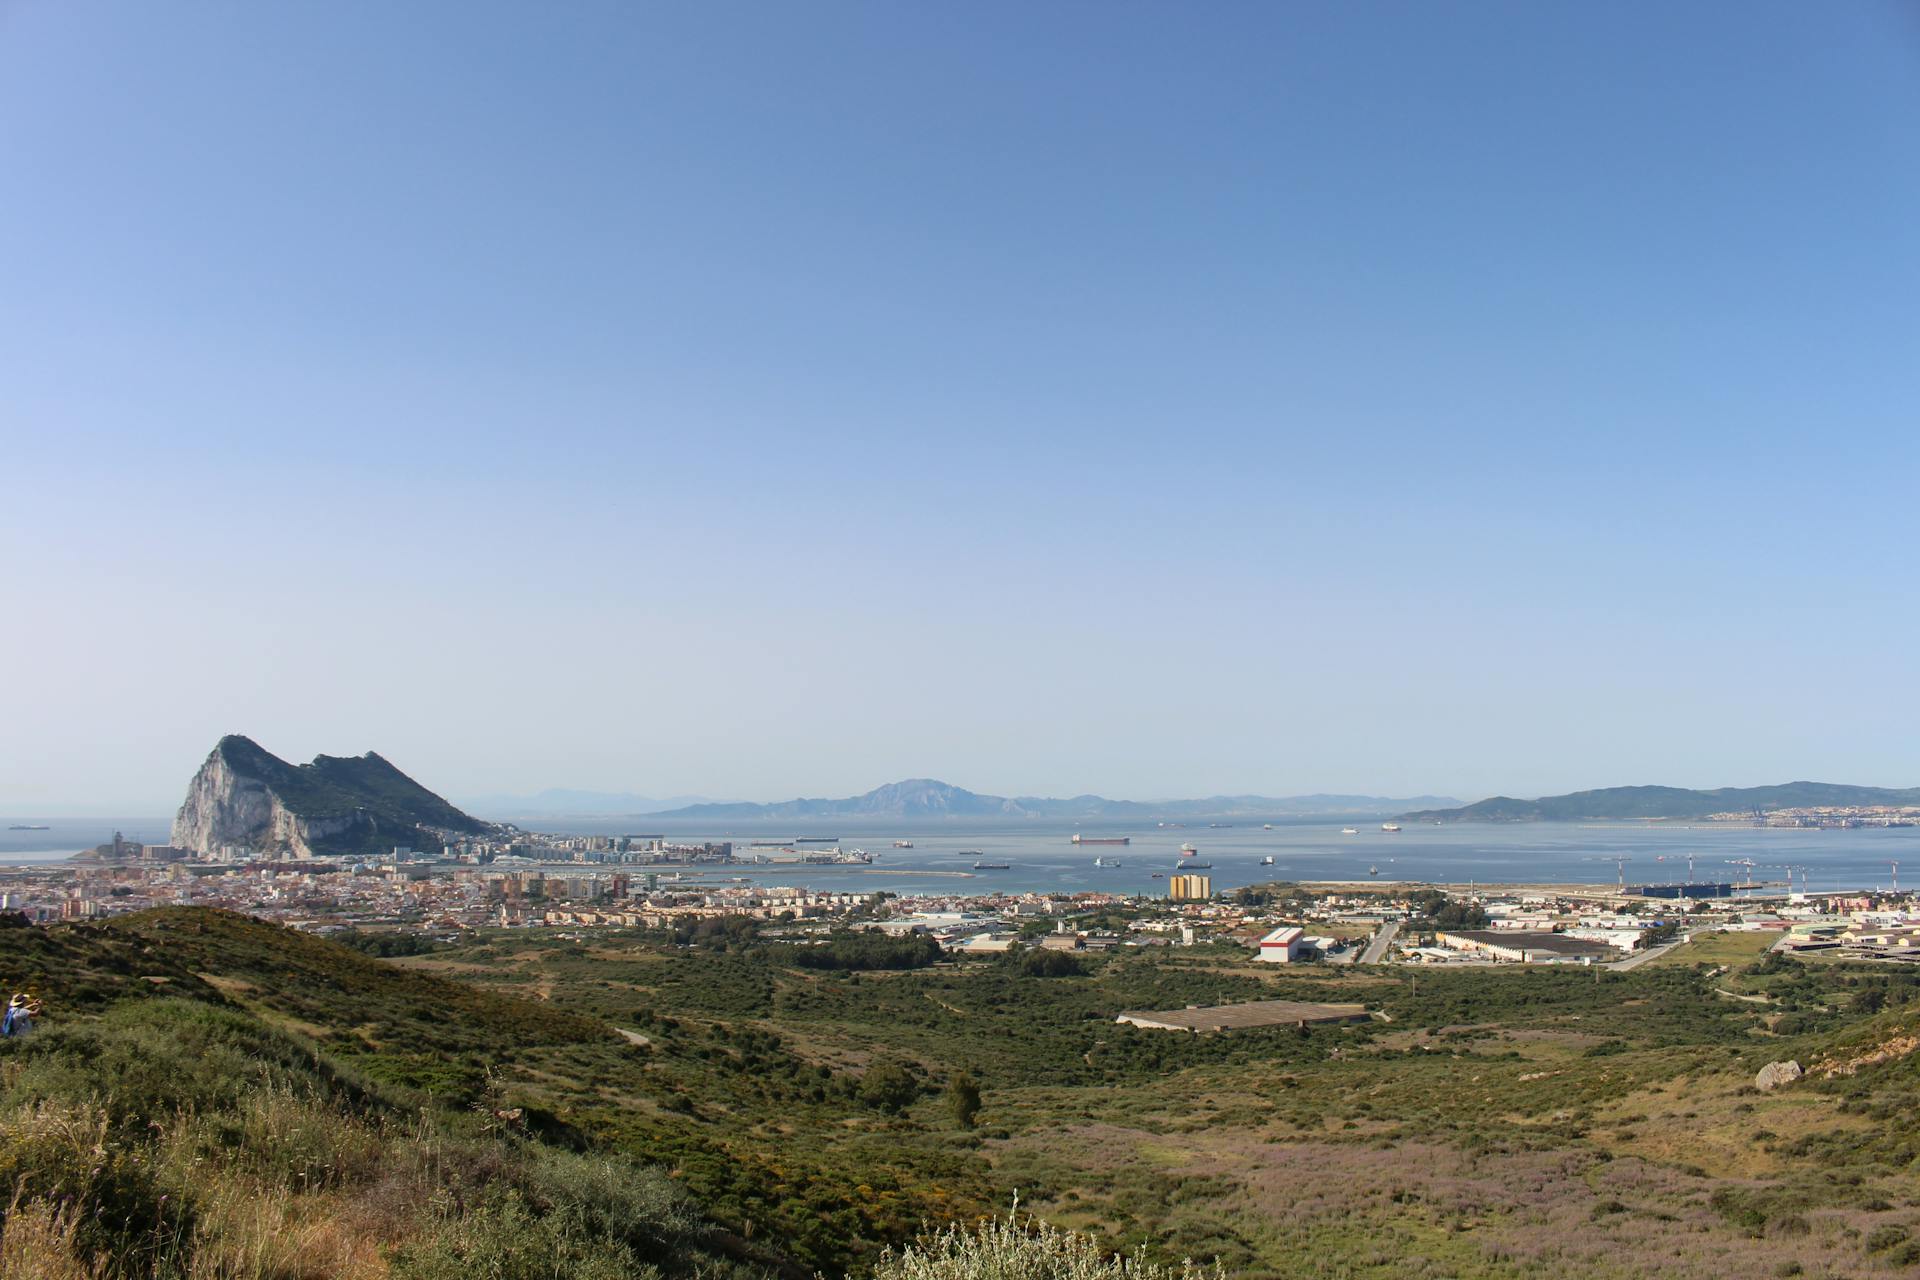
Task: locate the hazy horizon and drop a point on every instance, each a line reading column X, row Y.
column 475, row 801
column 772, row 401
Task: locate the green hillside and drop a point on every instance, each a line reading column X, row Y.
column 177, row 1115
column 212, row 1095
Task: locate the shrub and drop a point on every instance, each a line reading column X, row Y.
column 1007, row 1249
column 1885, row 1238
column 1041, row 963
column 963, row 1099
column 613, row 1201
column 888, row 1086
column 501, row 1239
column 846, row 950
column 89, row 1188
column 146, row 1060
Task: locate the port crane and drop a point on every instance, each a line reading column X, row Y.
column 1790, row 868
column 1620, row 862
column 1663, row 857
column 1748, row 863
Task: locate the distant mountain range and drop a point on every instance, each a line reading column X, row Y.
column 564, row 802
column 1666, row 802
column 925, row 798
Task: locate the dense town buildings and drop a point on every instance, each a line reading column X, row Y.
column 649, row 883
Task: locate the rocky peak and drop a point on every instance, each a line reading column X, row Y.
column 244, row 795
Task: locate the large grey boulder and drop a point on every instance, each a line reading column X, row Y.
column 1775, row 1074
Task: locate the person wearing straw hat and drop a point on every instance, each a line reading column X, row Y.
column 21, row 1011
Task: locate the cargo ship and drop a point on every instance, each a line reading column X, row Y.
column 993, row 866
column 903, row 844
column 816, row 840
column 1080, row 839
column 1193, row 866
column 29, row 826
column 1107, row 862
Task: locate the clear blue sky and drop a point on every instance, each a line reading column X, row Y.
column 779, row 399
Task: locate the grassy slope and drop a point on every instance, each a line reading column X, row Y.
column 174, row 1117
column 1723, row 946
column 1504, row 1123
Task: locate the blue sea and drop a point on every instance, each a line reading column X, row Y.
column 1042, row 858
column 68, row 836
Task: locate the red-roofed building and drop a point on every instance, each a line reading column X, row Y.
column 1284, row 945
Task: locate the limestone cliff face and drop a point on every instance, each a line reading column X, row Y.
column 244, row 795
column 223, row 807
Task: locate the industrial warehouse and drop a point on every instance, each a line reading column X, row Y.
column 1516, row 947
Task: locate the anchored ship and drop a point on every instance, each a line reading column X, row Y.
column 1080, row 839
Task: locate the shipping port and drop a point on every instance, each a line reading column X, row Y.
column 1681, row 890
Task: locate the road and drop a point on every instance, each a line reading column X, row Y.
column 1377, row 949
column 1639, row 958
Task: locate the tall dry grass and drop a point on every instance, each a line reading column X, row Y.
column 37, row 1243
column 282, row 1188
